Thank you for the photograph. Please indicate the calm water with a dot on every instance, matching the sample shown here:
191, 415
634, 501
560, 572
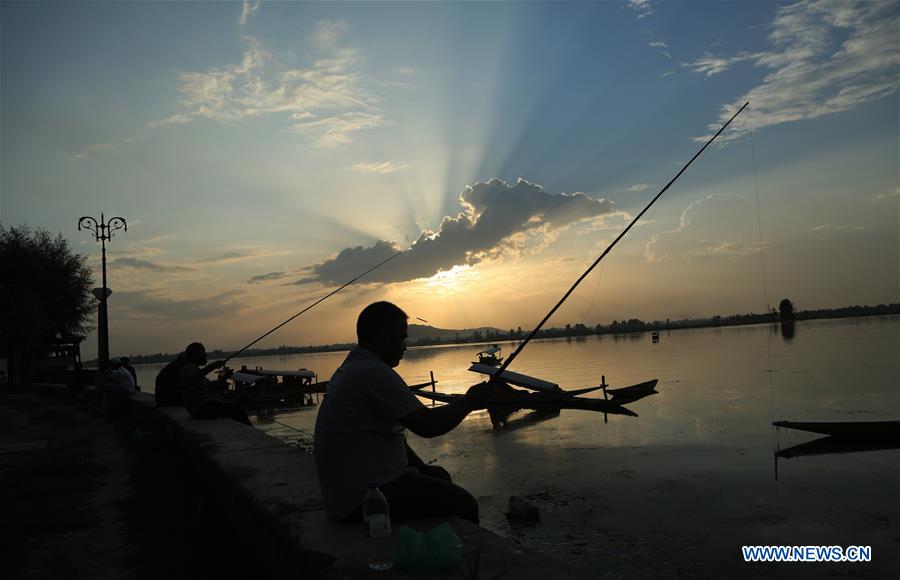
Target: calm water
676, 491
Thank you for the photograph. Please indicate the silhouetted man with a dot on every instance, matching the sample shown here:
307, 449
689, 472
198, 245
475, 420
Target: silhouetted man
126, 364
200, 395
115, 383
360, 429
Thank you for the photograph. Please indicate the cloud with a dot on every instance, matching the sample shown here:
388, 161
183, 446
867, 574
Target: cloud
239, 255
247, 11
327, 32
833, 228
716, 226
496, 220
892, 194
637, 187
267, 277
323, 100
138, 264
659, 44
668, 73
93, 149
710, 65
384, 167
153, 304
337, 130
825, 57
176, 119
642, 7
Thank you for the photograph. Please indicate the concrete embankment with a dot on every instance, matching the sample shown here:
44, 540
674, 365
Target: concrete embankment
267, 496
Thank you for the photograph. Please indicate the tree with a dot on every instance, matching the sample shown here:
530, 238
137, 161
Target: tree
786, 309
45, 293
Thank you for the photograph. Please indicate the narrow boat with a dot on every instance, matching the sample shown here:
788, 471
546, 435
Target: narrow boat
262, 388
489, 356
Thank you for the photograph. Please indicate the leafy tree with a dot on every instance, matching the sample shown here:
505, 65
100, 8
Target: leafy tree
45, 293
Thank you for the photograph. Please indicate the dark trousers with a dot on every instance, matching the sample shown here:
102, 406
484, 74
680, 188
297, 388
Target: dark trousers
212, 409
429, 493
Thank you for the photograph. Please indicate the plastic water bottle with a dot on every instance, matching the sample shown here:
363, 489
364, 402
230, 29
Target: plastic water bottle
377, 516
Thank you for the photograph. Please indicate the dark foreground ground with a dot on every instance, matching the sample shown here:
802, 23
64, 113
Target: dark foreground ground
83, 497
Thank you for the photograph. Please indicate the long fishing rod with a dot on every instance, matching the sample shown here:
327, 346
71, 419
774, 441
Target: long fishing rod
519, 348
332, 293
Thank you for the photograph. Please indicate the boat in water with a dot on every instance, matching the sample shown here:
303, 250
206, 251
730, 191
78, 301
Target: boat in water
489, 356
267, 388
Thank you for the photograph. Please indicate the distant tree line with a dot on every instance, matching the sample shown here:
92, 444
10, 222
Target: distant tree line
784, 313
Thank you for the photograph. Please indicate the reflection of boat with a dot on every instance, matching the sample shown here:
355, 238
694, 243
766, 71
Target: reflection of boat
262, 388
654, 336
845, 429
842, 437
545, 396
490, 357
827, 445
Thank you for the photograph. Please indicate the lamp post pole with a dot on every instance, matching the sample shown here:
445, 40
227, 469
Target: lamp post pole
102, 231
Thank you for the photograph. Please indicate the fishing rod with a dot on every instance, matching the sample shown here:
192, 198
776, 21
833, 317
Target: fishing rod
322, 299
531, 335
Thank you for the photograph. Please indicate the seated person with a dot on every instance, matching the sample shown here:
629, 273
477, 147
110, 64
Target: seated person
114, 383
202, 397
360, 428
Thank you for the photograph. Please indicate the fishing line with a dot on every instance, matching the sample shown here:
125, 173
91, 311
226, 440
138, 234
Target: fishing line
322, 299
621, 235
774, 434
292, 427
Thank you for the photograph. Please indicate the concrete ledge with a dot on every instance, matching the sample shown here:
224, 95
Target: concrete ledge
270, 493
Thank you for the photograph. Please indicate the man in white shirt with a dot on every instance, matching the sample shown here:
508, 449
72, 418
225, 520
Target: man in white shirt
360, 429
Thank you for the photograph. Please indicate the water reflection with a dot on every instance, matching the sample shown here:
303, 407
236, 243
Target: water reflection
788, 330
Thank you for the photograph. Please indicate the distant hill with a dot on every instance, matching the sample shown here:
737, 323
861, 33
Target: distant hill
423, 333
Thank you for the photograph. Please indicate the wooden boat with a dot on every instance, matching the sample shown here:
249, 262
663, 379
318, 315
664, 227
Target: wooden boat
845, 428
489, 357
546, 397
256, 388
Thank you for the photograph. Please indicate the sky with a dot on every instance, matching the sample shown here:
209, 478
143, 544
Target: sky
263, 153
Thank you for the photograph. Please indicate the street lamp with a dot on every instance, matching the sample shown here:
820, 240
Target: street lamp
103, 231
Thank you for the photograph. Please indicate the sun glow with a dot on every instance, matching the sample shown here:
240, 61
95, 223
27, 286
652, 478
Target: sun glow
451, 281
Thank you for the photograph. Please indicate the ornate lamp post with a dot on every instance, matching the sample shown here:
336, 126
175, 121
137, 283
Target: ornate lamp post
103, 231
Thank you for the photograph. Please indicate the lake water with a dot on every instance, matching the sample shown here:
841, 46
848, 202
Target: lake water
676, 492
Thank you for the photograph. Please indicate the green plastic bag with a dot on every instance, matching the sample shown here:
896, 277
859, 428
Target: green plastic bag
432, 551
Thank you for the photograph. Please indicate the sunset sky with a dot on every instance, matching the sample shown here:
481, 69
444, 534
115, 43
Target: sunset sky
264, 153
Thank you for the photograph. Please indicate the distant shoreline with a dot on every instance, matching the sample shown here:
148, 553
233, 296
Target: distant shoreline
631, 326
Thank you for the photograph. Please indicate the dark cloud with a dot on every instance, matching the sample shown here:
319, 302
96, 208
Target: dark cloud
138, 264
227, 257
153, 304
496, 218
267, 277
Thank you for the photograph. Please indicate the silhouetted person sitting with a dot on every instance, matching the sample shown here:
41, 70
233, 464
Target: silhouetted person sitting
168, 391
360, 429
200, 395
115, 383
126, 364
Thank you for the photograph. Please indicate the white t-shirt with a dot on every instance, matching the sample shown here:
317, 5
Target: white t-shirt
120, 379
358, 437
